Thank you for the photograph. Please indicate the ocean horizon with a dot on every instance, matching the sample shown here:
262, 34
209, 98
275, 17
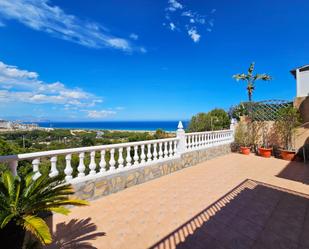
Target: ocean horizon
114, 125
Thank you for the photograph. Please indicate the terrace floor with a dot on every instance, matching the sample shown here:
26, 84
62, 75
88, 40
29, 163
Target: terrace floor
234, 201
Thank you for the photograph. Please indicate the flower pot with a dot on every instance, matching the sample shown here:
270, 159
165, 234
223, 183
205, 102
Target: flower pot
12, 236
245, 150
287, 155
265, 152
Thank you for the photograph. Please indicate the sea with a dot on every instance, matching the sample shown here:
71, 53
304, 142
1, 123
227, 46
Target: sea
116, 125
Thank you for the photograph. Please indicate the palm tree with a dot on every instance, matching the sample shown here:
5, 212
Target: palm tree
251, 79
22, 199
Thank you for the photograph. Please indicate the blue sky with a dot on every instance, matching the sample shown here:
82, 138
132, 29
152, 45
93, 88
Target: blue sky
144, 60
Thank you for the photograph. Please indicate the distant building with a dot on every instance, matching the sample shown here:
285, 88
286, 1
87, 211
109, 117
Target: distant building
301, 75
5, 124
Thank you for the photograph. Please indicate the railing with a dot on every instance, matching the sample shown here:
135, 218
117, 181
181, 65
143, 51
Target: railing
96, 161
199, 140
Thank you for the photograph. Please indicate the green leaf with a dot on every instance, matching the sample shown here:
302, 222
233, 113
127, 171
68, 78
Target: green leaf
37, 227
60, 210
6, 220
8, 181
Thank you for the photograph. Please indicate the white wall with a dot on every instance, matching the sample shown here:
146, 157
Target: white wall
302, 83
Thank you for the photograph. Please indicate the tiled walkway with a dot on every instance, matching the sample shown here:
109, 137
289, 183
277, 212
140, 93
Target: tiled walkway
234, 201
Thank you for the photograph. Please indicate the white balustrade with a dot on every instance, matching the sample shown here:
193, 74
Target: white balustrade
68, 167
102, 162
92, 165
144, 153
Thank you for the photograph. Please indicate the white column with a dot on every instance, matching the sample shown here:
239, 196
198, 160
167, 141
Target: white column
143, 154
128, 158
170, 152
35, 165
92, 165
13, 167
160, 151
120, 158
81, 166
180, 133
149, 155
135, 157
155, 152
53, 168
68, 168
112, 161
165, 150
102, 162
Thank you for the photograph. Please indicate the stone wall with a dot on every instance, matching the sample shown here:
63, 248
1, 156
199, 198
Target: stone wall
106, 185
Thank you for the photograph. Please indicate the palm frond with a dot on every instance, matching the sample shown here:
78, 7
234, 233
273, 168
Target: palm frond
6, 219
251, 69
37, 227
264, 77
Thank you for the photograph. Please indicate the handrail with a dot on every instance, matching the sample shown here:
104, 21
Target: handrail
205, 132
81, 149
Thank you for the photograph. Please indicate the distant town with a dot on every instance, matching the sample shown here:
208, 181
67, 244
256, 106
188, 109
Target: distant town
6, 125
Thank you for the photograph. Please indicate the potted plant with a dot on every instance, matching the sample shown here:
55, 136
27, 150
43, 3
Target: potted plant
23, 199
265, 150
286, 124
242, 138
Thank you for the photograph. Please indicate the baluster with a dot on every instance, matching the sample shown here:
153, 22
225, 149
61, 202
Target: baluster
68, 168
135, 157
170, 152
165, 150
143, 156
160, 151
81, 166
155, 152
200, 140
102, 162
175, 147
35, 165
120, 159
128, 158
13, 167
204, 140
53, 168
149, 155
112, 161
92, 165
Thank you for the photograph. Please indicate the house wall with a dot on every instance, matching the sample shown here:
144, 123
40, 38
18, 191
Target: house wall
302, 83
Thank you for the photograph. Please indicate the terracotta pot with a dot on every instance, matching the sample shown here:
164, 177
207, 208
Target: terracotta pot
245, 150
287, 155
265, 152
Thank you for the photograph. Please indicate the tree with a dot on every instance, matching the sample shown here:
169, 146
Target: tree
22, 199
217, 119
159, 134
250, 79
289, 119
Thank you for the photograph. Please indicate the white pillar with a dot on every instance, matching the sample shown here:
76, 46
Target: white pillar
180, 133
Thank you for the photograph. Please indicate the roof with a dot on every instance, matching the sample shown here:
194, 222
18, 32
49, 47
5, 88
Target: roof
301, 69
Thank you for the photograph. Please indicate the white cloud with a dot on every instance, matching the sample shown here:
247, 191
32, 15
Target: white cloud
194, 35
19, 85
134, 36
95, 114
40, 15
187, 20
174, 5
172, 26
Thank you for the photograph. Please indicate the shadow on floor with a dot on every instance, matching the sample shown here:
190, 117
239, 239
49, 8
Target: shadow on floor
75, 234
252, 215
296, 171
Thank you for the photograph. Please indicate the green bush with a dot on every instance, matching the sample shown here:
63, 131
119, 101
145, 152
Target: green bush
217, 119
